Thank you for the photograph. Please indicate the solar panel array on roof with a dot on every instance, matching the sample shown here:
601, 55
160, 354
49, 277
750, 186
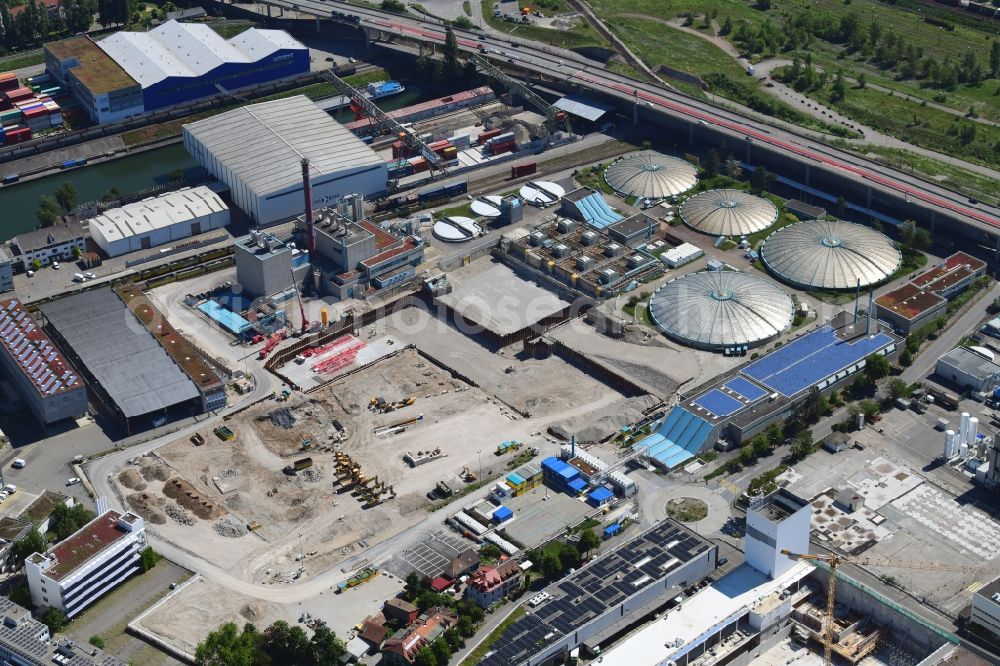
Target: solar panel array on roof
119, 352
596, 589
33, 352
745, 388
718, 403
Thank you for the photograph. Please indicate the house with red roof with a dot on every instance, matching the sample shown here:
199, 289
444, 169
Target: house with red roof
489, 584
402, 648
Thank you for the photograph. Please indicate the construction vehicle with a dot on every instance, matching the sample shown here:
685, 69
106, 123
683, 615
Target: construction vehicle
833, 561
298, 465
225, 434
468, 475
362, 576
197, 439
509, 445
443, 489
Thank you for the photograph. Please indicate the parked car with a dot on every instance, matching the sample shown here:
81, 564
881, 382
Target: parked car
31, 273
55, 265
18, 463
72, 481
90, 276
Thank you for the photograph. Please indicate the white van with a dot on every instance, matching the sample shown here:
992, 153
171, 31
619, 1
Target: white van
18, 463
78, 277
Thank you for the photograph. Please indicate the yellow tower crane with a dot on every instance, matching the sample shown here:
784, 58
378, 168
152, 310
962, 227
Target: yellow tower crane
831, 586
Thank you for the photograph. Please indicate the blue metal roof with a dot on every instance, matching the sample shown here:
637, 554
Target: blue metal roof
596, 211
679, 438
515, 478
230, 321
611, 529
577, 485
601, 494
502, 513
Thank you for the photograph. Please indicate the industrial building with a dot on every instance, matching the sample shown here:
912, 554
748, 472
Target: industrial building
264, 264
257, 150
128, 73
721, 310
159, 220
6, 272
55, 243
923, 298
728, 213
651, 175
823, 254
138, 366
986, 609
25, 641
583, 257
603, 598
354, 254
968, 370
738, 405
43, 379
74, 573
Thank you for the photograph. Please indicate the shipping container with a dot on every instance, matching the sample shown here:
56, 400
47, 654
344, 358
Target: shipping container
520, 170
501, 148
11, 178
18, 94
9, 118
461, 141
488, 134
419, 164
8, 81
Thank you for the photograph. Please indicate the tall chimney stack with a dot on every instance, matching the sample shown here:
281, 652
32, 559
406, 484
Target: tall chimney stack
307, 193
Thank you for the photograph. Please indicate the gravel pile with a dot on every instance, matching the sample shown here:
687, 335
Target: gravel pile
228, 473
282, 418
229, 527
312, 475
178, 514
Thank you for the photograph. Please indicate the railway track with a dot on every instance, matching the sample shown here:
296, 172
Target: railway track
571, 159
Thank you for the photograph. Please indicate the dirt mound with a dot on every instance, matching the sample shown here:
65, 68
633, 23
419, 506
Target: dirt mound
130, 478
185, 494
230, 527
150, 507
282, 418
604, 422
252, 612
153, 469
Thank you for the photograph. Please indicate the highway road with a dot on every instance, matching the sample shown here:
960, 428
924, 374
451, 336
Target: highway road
573, 68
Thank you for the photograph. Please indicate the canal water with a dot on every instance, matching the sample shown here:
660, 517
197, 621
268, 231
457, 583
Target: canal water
127, 174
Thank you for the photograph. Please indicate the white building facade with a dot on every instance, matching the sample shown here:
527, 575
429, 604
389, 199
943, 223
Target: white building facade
159, 220
986, 608
779, 522
77, 571
46, 245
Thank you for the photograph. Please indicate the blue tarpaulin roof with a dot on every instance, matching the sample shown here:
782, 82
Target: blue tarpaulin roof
601, 494
230, 321
502, 513
611, 529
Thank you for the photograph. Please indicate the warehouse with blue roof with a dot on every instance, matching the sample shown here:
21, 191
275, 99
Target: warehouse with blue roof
745, 402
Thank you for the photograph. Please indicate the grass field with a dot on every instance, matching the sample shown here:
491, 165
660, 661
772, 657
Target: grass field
230, 29
18, 61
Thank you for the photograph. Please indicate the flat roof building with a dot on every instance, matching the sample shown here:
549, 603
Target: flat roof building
24, 641
605, 596
158, 220
42, 377
986, 608
923, 298
96, 80
968, 370
263, 264
257, 151
75, 572
143, 378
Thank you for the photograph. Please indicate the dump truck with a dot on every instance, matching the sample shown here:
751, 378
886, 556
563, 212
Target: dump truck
443, 489
299, 465
197, 439
225, 434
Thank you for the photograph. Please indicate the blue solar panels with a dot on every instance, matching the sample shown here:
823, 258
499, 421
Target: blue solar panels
811, 359
596, 211
745, 388
681, 436
718, 403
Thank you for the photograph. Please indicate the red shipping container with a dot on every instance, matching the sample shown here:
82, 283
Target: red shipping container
419, 164
523, 169
489, 134
400, 150
18, 94
8, 81
18, 136
500, 148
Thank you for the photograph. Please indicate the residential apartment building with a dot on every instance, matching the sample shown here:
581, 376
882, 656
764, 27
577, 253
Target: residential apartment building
490, 584
50, 244
6, 272
402, 648
44, 380
77, 571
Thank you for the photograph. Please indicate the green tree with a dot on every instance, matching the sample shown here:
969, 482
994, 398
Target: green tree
588, 542
760, 446
906, 358
746, 455
774, 435
862, 80
760, 180
995, 58
65, 196
899, 389
393, 6
838, 90
712, 163
286, 644
111, 195
550, 566
147, 559
227, 646
454, 639
55, 620
33, 542
64, 520
77, 252
327, 649
466, 626
425, 657
490, 552
452, 66
97, 642
877, 367
48, 212
442, 652
727, 26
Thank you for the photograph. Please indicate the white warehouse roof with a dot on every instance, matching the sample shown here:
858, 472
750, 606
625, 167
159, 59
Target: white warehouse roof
157, 213
262, 145
188, 50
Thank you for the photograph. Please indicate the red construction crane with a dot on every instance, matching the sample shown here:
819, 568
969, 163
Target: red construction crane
273, 341
302, 310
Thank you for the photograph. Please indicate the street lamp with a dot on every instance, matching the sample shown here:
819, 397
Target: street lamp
479, 454
302, 555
